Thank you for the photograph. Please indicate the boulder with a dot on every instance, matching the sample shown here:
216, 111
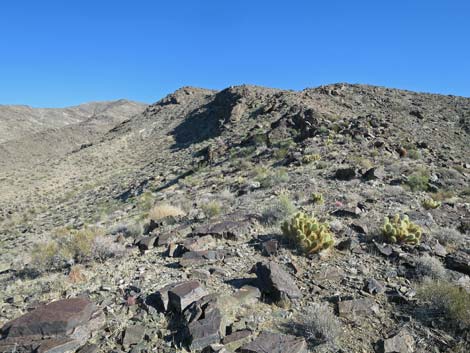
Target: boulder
403, 342
183, 294
274, 281
345, 173
60, 326
459, 261
233, 230
352, 308
275, 343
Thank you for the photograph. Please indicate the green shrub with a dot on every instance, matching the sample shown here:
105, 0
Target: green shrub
270, 178
212, 209
280, 210
448, 299
309, 233
401, 230
418, 181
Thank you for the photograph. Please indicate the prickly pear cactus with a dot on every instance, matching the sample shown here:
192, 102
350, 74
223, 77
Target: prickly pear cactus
401, 230
308, 232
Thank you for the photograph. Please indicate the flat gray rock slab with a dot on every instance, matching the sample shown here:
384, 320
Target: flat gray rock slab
183, 294
459, 261
234, 230
403, 342
62, 326
205, 331
268, 342
356, 307
274, 281
56, 318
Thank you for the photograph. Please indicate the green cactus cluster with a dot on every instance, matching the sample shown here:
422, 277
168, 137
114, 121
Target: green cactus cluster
317, 198
310, 158
401, 230
431, 204
312, 235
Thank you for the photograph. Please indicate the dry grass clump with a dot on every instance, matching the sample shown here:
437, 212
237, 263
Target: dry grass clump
212, 209
76, 274
448, 236
68, 246
319, 325
281, 209
165, 210
448, 299
428, 266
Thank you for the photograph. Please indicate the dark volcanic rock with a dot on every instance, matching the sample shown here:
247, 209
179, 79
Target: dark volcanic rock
59, 327
234, 230
183, 294
206, 331
56, 318
275, 343
270, 247
345, 174
274, 281
459, 261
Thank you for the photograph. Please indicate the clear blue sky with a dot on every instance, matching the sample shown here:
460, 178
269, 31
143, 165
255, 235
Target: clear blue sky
59, 53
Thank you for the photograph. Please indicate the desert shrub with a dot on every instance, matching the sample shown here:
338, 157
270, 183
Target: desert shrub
164, 210
278, 211
72, 246
127, 230
428, 266
319, 324
44, 255
76, 274
105, 247
226, 195
308, 232
418, 181
268, 178
447, 236
401, 230
414, 154
212, 208
448, 299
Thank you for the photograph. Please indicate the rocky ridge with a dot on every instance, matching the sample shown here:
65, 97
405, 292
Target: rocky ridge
220, 277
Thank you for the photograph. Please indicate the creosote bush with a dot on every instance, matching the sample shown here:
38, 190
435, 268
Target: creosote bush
449, 299
165, 210
308, 232
401, 230
419, 180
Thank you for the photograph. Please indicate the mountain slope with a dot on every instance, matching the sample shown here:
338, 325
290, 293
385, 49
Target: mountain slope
235, 156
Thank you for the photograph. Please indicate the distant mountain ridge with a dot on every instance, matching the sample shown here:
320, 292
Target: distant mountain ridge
18, 121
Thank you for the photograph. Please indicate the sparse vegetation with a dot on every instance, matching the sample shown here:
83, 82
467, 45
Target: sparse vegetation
419, 180
281, 209
428, 266
308, 232
448, 299
448, 236
401, 230
268, 178
310, 158
212, 208
319, 325
165, 210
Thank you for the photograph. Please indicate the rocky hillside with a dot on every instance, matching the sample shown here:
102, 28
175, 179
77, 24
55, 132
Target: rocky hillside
244, 220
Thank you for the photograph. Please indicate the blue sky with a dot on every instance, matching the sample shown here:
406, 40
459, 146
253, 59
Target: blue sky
59, 53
